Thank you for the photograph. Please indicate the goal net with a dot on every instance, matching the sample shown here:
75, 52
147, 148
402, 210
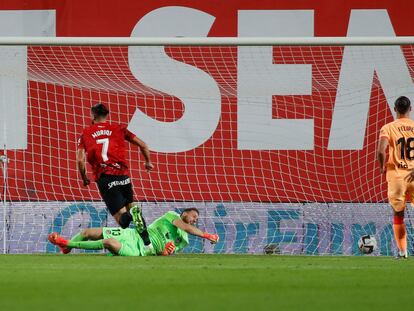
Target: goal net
275, 145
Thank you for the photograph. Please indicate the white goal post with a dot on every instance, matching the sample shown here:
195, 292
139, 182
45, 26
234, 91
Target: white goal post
206, 41
273, 139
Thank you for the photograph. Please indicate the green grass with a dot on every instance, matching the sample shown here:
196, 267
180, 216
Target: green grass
204, 282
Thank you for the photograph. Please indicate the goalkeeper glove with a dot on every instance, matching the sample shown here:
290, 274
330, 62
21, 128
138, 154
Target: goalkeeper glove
213, 238
168, 249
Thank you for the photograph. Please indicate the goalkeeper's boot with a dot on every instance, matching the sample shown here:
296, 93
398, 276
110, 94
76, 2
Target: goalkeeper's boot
59, 241
136, 213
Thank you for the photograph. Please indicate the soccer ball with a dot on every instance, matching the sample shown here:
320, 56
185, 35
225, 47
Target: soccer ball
367, 244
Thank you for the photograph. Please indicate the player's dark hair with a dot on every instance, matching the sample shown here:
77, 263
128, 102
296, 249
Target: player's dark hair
189, 210
99, 110
402, 104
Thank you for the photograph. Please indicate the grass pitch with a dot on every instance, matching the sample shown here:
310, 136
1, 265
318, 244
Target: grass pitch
204, 282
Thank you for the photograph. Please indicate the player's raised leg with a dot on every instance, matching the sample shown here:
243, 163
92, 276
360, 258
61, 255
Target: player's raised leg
141, 226
84, 235
91, 239
88, 234
110, 244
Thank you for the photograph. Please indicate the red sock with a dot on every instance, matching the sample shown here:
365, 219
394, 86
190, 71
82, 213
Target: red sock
400, 233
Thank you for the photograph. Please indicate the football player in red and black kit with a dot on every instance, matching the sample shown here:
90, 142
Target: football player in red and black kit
103, 144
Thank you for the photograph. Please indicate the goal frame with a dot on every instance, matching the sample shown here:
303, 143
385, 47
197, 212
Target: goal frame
189, 41
210, 41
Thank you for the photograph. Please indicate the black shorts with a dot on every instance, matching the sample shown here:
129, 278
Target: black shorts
116, 191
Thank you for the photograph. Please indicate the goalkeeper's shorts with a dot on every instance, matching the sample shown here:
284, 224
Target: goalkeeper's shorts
399, 189
131, 241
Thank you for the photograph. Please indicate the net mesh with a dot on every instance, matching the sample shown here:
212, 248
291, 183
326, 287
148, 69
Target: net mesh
297, 201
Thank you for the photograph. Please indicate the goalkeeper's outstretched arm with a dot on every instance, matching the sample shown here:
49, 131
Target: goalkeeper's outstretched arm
213, 238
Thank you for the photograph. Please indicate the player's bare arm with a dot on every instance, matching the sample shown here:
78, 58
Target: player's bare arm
410, 177
213, 238
381, 154
145, 152
80, 158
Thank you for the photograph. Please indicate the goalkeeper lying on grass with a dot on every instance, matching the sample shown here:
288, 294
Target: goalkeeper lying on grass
168, 234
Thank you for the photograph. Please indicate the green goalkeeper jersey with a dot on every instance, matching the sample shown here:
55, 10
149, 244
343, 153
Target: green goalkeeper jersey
162, 231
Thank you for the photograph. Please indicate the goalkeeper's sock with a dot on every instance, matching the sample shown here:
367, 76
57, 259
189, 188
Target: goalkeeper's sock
400, 233
78, 237
86, 244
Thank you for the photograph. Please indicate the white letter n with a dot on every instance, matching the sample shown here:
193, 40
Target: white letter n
356, 77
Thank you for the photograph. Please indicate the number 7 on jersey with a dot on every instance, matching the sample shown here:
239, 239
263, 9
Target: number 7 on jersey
105, 146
